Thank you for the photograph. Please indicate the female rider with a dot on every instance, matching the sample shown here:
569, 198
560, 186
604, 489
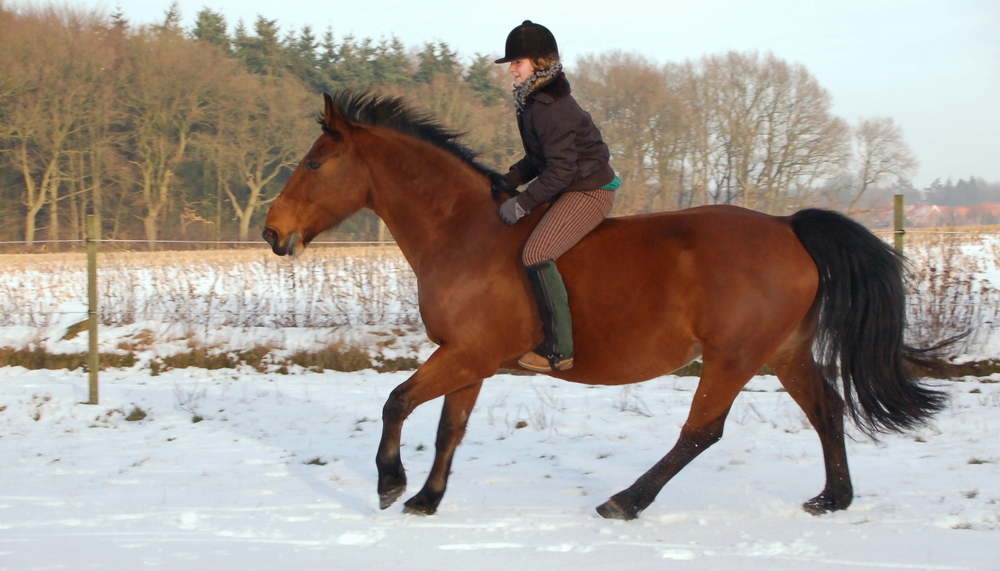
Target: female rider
566, 163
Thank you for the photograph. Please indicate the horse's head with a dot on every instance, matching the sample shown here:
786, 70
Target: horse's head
328, 185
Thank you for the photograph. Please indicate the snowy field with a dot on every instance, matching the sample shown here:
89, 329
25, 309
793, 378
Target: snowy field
278, 473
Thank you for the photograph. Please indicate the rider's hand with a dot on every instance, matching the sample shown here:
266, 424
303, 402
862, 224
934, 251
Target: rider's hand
506, 183
500, 186
511, 211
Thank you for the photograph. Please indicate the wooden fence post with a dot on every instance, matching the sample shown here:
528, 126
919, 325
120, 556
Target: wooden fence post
382, 231
898, 223
93, 358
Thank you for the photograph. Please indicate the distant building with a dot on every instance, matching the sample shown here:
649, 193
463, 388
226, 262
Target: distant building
929, 215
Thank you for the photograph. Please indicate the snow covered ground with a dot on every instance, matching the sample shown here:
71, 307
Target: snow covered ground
278, 473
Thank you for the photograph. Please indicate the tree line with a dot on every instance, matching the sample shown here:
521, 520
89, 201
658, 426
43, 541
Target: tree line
167, 133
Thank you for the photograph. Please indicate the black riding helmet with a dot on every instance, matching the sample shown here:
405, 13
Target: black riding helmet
529, 40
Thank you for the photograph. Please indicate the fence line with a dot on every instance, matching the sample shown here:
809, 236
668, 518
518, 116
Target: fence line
253, 242
964, 232
220, 242
33, 242
385, 242
208, 314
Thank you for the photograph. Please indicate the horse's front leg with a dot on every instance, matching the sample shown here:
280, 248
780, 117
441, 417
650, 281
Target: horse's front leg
454, 418
443, 374
391, 474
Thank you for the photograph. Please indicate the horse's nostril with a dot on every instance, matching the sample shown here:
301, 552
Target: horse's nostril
270, 236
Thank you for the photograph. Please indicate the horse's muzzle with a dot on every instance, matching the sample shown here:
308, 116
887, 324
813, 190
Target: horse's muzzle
272, 237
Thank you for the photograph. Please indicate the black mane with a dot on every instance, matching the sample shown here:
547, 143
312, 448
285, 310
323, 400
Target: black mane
370, 108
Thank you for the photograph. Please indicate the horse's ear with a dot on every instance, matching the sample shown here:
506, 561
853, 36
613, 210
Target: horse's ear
331, 115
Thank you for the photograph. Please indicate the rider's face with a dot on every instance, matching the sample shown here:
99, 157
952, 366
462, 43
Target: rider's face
521, 69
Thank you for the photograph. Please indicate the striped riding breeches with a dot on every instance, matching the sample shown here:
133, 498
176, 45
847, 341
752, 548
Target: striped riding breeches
572, 217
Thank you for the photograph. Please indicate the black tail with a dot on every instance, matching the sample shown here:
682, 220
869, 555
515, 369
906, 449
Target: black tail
861, 323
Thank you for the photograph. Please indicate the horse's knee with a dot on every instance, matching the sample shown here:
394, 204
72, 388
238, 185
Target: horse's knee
396, 407
713, 437
702, 437
703, 441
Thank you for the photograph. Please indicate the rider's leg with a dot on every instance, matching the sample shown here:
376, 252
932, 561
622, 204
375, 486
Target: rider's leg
556, 350
571, 218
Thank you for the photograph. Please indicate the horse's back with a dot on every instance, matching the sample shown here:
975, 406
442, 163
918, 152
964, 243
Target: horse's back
707, 240
678, 283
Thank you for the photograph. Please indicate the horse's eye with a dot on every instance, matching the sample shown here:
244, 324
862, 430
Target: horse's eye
312, 165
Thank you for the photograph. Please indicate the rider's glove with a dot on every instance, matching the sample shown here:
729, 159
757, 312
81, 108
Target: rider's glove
511, 211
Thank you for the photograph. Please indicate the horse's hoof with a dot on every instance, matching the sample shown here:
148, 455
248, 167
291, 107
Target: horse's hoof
419, 506
611, 510
389, 497
826, 503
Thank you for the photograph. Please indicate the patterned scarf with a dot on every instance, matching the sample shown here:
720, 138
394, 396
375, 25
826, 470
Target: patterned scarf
535, 81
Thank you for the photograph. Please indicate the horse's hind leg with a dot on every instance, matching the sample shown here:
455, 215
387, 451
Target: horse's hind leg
718, 388
454, 418
801, 377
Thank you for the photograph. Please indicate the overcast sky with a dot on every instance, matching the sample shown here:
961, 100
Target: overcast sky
931, 65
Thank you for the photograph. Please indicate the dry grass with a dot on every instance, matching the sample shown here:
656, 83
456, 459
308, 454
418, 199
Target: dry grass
39, 358
946, 298
261, 358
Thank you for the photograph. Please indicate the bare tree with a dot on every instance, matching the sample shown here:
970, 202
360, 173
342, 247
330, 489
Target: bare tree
674, 132
172, 91
736, 129
771, 133
645, 122
258, 131
882, 155
625, 93
488, 129
48, 72
13, 78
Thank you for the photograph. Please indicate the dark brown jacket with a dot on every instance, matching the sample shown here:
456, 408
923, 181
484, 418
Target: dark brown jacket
563, 148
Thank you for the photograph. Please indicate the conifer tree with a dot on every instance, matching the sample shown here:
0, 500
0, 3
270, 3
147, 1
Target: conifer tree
436, 59
171, 19
480, 79
390, 64
304, 60
262, 54
210, 27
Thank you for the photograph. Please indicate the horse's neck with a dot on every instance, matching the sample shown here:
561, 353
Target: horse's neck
429, 200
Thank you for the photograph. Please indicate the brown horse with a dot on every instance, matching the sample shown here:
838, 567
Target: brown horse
814, 296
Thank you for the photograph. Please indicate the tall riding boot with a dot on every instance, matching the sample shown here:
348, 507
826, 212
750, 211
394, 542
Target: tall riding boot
556, 351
